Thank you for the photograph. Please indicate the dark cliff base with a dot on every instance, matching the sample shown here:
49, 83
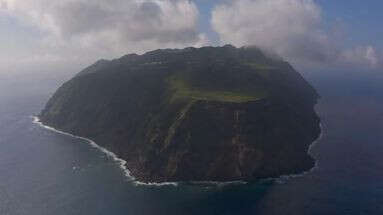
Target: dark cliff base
255, 140
209, 114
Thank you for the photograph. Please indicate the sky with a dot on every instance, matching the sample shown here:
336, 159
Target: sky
71, 34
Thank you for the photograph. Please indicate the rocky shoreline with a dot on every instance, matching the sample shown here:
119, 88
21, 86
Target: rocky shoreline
209, 114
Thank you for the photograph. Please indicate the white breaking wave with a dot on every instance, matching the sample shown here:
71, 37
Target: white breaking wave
156, 184
122, 163
218, 183
287, 177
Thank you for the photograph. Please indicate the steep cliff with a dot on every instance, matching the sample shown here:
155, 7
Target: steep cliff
213, 113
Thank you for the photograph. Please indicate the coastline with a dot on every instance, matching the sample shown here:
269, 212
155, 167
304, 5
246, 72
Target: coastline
127, 173
290, 176
121, 162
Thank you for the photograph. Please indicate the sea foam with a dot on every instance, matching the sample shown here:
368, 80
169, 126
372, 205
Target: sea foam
283, 178
127, 173
121, 162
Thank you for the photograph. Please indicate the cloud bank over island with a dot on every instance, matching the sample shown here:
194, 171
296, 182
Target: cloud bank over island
74, 29
294, 29
83, 31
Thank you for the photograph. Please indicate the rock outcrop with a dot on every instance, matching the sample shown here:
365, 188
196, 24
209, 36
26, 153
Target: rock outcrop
213, 113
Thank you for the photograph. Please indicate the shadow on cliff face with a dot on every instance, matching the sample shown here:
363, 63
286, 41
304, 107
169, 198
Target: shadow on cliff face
349, 175
347, 179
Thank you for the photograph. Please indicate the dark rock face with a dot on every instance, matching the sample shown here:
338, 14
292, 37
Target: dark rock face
217, 114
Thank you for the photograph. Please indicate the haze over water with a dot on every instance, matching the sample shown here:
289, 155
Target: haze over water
42, 172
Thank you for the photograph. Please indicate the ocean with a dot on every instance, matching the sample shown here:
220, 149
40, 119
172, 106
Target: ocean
47, 172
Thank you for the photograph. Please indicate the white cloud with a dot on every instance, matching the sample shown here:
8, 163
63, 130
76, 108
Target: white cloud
372, 56
364, 56
89, 29
292, 28
82, 31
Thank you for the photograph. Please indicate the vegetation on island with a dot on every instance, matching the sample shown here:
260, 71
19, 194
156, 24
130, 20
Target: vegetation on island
210, 113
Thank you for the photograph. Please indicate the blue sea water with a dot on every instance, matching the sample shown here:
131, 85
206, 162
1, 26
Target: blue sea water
43, 172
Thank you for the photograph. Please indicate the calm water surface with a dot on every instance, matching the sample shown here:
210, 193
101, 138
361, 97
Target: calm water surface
42, 172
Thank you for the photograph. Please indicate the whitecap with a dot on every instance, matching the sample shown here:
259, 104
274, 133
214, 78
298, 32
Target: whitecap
139, 183
121, 162
127, 173
282, 178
